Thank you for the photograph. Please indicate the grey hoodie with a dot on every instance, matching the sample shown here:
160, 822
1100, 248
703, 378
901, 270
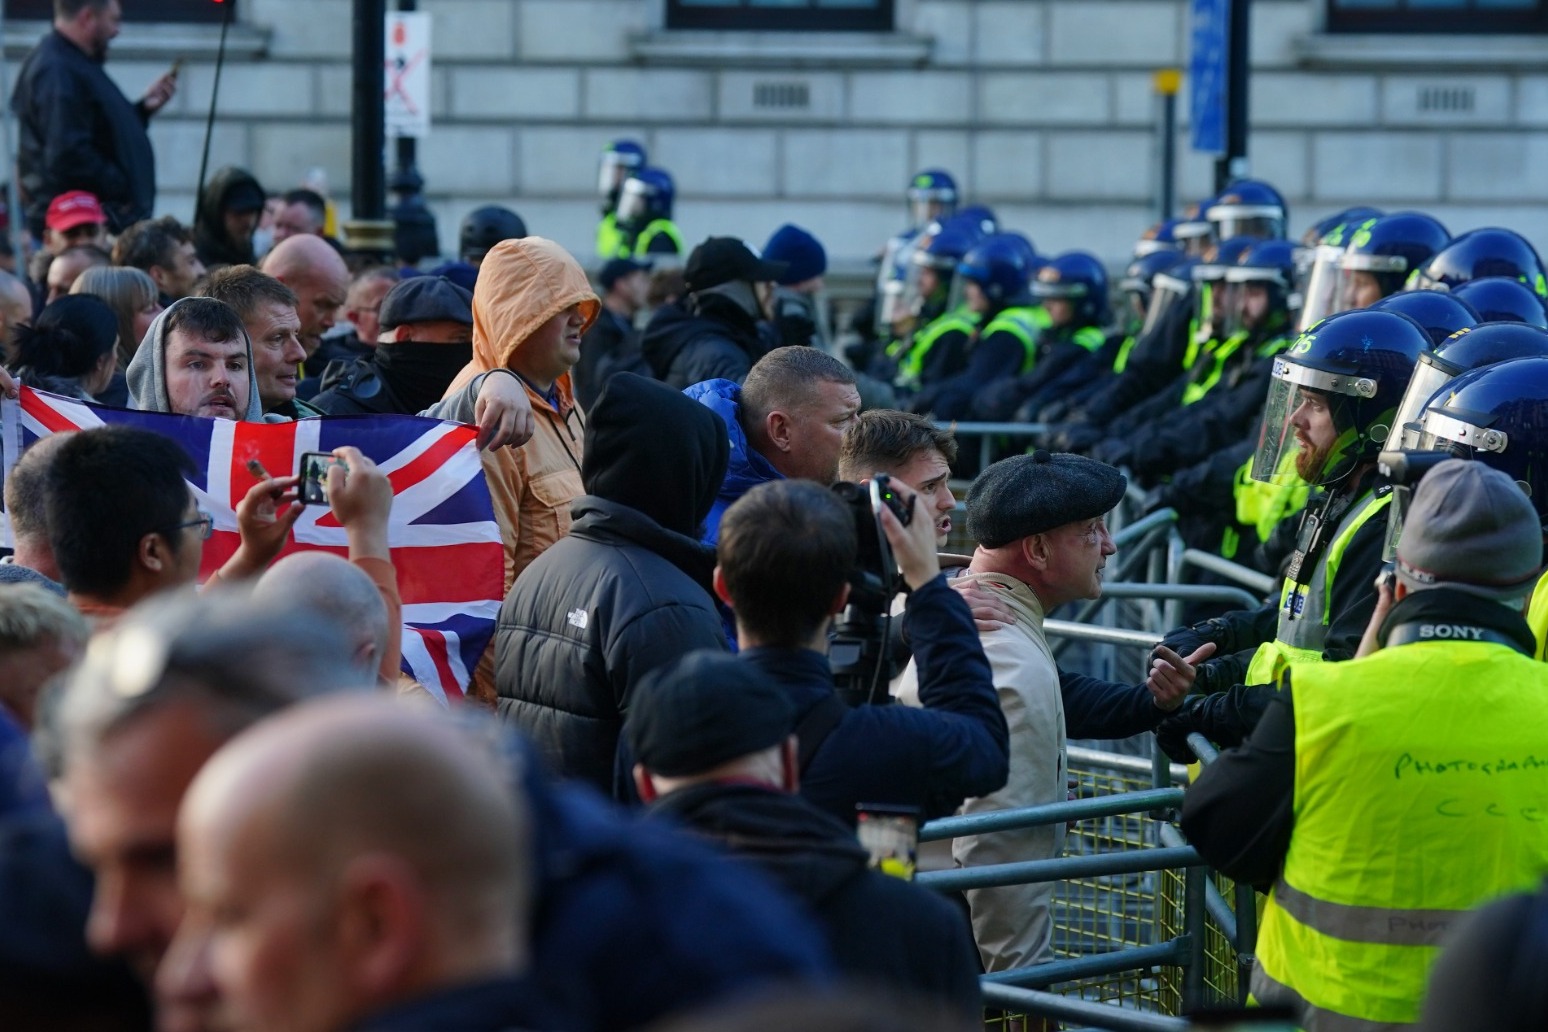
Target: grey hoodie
147, 372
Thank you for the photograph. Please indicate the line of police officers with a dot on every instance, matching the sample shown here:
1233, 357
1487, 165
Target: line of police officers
1285, 397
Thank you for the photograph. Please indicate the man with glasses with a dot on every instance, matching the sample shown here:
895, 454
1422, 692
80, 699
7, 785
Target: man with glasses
124, 524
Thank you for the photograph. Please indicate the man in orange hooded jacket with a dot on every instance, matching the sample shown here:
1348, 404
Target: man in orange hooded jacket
531, 306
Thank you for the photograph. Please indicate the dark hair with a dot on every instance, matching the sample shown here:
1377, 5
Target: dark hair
107, 488
785, 550
244, 288
313, 201
205, 318
68, 338
150, 242
784, 378
26, 489
883, 440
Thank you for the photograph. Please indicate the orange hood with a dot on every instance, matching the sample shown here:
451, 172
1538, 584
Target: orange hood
521, 285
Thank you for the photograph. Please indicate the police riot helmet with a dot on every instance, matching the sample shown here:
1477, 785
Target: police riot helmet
1248, 207
1438, 314
1193, 232
1388, 249
1500, 299
1171, 295
1470, 348
1159, 237
646, 195
1270, 264
484, 227
620, 158
932, 196
1078, 277
981, 214
1210, 303
997, 265
1479, 253
1357, 364
1306, 253
1498, 415
941, 247
1139, 278
1320, 295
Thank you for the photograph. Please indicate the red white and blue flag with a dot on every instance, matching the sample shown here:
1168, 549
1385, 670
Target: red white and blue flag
445, 542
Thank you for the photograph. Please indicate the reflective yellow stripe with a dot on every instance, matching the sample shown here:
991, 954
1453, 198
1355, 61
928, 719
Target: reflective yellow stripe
1537, 614
660, 227
1219, 355
912, 365
1385, 925
611, 242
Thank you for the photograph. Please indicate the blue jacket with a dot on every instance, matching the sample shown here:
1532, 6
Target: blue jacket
933, 758
633, 921
494, 1005
747, 468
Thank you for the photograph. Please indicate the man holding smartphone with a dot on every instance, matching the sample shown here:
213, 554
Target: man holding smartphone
78, 130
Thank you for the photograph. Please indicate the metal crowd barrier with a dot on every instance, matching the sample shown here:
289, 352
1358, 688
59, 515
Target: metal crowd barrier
1143, 928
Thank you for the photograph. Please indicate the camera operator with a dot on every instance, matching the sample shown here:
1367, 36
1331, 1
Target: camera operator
787, 550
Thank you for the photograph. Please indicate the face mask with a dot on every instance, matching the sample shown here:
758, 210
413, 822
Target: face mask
419, 373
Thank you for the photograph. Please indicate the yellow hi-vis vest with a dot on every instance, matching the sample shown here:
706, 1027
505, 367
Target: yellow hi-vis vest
1306, 607
1024, 322
1421, 792
612, 242
1537, 614
960, 320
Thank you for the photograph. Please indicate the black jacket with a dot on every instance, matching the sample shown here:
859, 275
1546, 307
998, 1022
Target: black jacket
79, 132
627, 590
933, 758
705, 337
883, 931
495, 1005
214, 245
612, 345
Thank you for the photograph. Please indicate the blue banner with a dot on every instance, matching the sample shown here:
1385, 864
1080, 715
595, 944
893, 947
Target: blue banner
1208, 54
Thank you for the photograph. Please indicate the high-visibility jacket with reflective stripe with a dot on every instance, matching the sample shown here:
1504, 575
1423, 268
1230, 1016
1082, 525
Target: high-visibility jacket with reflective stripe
660, 227
1421, 791
959, 320
612, 242
1024, 322
1537, 614
1305, 607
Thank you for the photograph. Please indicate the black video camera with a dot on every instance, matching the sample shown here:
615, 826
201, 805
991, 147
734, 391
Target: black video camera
859, 651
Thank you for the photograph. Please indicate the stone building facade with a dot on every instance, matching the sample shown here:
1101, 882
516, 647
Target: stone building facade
1042, 108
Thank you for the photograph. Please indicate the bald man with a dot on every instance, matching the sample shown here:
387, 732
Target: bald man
328, 885
327, 584
311, 267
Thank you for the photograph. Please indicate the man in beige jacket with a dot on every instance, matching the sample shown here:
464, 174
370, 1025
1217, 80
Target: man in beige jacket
1040, 524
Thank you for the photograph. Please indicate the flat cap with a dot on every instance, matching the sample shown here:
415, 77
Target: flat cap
1029, 494
425, 299
702, 711
1472, 528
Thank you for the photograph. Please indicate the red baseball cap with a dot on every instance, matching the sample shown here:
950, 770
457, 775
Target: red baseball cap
73, 208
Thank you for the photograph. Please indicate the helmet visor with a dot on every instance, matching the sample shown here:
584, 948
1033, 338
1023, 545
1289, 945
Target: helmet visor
1168, 294
1321, 297
1247, 222
612, 170
927, 286
1402, 496
927, 206
633, 202
1421, 280
1277, 445
1430, 375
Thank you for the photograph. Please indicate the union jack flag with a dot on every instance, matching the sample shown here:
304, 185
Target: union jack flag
445, 542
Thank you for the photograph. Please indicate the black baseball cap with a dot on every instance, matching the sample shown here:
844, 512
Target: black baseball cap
726, 259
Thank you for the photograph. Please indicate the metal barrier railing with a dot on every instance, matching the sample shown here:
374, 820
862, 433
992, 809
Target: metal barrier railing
986, 433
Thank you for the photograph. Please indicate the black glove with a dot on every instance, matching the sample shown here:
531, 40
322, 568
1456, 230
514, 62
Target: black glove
1079, 437
1114, 451
1225, 718
1185, 640
1172, 733
997, 401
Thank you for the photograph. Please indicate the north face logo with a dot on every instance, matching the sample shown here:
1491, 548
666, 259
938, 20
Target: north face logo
577, 618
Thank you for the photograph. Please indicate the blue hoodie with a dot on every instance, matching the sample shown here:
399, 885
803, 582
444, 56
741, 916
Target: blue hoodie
747, 469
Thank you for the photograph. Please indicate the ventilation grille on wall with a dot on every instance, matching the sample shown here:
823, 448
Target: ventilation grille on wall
783, 95
1448, 99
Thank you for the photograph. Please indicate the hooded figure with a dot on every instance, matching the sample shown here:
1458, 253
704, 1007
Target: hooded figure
147, 372
627, 591
232, 190
522, 285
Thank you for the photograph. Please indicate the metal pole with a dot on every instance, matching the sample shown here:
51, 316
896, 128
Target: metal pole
368, 194
1233, 163
209, 122
1193, 929
1167, 82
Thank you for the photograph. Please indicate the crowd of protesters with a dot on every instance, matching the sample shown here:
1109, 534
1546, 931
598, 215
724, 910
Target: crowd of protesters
226, 805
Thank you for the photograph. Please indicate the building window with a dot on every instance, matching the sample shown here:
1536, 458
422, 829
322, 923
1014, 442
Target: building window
830, 15
138, 11
1449, 16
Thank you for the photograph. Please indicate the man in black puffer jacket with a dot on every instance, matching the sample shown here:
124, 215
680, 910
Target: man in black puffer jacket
627, 590
713, 332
